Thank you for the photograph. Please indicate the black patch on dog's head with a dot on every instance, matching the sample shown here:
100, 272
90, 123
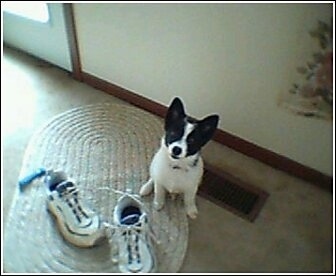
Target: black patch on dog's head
174, 122
175, 126
202, 133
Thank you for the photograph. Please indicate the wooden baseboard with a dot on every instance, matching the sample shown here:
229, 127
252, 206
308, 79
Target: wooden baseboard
275, 160
252, 150
124, 94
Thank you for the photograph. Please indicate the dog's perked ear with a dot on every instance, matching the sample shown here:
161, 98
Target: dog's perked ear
175, 113
207, 127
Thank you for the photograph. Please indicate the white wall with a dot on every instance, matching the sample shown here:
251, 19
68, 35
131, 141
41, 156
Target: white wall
47, 41
230, 59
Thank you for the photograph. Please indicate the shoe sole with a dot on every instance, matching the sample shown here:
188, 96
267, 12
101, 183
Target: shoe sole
65, 231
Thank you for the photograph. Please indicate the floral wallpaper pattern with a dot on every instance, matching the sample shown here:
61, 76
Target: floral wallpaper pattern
313, 95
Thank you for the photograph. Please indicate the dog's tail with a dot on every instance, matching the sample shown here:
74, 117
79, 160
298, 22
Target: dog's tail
147, 188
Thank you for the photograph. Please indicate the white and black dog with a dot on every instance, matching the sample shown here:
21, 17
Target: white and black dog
177, 167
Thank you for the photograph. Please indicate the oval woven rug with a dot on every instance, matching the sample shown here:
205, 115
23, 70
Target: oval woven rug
100, 146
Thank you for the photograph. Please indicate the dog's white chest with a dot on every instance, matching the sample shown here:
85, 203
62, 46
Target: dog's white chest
174, 176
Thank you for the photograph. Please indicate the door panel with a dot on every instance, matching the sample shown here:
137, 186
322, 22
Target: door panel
46, 40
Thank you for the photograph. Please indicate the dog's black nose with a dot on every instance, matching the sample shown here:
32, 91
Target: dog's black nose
176, 151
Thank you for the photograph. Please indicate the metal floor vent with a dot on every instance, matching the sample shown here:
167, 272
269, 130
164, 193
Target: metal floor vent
231, 193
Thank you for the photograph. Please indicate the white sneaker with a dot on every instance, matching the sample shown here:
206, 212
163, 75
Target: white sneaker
132, 235
78, 224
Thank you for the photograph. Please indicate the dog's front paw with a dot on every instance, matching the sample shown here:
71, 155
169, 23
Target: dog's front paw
192, 212
158, 205
147, 188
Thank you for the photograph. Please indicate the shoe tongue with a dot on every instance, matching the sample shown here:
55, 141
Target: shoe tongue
130, 219
54, 178
63, 186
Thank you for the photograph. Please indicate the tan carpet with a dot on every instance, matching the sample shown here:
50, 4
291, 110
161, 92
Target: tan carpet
100, 146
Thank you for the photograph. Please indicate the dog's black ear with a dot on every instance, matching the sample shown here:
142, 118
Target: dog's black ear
175, 113
207, 127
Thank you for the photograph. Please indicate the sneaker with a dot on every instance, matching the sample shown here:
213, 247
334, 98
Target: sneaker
78, 224
135, 251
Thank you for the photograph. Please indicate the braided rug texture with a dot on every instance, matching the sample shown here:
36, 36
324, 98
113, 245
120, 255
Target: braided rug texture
100, 146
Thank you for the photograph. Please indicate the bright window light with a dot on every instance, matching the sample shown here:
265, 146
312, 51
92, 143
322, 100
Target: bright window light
37, 11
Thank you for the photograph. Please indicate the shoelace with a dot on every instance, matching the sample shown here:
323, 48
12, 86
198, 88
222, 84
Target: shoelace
132, 235
70, 194
111, 226
137, 226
